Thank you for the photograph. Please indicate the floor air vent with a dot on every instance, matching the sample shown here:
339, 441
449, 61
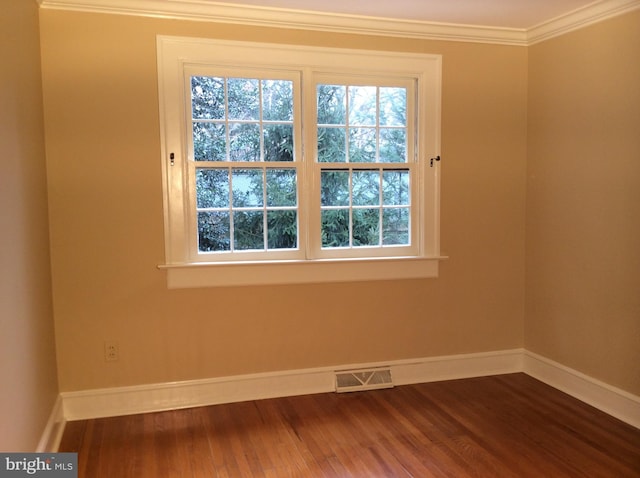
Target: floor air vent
370, 379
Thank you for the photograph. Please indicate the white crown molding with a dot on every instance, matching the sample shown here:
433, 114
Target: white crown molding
580, 18
294, 19
200, 10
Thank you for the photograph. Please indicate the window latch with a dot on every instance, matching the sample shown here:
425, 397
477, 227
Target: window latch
437, 158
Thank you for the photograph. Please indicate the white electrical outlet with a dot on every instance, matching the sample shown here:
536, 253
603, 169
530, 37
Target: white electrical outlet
111, 351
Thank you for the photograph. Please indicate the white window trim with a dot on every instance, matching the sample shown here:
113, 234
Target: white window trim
173, 53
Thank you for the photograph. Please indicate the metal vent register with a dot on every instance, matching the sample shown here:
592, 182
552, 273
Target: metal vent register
370, 379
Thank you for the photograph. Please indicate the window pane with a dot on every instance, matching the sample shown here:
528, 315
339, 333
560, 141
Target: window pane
209, 142
335, 228
281, 187
395, 188
213, 231
212, 188
366, 227
244, 142
332, 145
207, 97
334, 188
393, 145
248, 230
278, 142
393, 106
331, 104
244, 99
277, 100
366, 188
362, 145
362, 105
247, 188
282, 230
395, 226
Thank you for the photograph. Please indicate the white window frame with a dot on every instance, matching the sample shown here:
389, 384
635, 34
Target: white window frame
175, 55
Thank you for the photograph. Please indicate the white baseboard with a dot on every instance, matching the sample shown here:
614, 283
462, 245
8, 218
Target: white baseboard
611, 400
451, 367
193, 393
167, 396
52, 433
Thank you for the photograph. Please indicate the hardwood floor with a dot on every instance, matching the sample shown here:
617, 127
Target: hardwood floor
501, 426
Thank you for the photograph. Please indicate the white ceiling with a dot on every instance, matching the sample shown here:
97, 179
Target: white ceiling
521, 14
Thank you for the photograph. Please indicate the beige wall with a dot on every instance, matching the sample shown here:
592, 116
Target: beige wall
105, 198
583, 201
27, 353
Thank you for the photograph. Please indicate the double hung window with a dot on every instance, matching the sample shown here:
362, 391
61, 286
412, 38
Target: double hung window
291, 164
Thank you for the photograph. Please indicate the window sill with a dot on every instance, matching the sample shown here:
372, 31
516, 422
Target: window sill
181, 276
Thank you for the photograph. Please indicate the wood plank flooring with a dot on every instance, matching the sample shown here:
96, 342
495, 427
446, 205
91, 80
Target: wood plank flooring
501, 426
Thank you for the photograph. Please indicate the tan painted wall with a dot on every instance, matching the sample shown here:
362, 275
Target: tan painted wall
105, 197
27, 353
583, 201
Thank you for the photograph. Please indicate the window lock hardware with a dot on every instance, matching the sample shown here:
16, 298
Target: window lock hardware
172, 158
437, 158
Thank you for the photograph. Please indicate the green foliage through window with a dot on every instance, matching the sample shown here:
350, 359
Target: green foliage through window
243, 140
